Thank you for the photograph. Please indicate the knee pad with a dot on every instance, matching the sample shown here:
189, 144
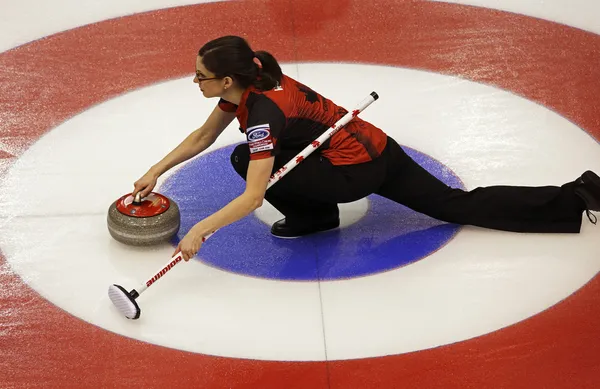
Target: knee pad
240, 159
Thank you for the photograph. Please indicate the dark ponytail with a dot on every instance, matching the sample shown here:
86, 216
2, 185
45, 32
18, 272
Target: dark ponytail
270, 74
232, 56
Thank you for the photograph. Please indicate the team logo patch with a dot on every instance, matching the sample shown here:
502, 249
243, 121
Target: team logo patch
259, 138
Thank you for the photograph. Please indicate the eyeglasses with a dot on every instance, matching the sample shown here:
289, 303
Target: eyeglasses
200, 78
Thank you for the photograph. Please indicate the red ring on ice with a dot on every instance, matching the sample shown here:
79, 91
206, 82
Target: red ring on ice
47, 81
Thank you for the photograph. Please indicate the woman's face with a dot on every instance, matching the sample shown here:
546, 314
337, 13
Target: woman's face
206, 80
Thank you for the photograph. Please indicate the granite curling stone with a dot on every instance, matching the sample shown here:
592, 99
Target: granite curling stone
143, 222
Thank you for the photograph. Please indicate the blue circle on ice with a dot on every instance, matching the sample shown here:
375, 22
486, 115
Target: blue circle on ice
388, 236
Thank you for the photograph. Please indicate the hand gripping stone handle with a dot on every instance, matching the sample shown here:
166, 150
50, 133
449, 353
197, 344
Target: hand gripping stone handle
278, 175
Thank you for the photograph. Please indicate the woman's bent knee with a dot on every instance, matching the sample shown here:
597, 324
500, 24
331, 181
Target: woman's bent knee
240, 159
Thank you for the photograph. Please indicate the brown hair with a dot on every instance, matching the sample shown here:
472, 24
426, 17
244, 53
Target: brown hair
232, 56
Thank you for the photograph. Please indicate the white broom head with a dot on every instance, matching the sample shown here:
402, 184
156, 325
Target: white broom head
124, 302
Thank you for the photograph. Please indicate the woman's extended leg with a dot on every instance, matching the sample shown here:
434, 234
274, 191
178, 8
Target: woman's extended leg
509, 208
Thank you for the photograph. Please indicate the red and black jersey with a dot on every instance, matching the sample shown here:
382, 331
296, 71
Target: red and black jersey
292, 115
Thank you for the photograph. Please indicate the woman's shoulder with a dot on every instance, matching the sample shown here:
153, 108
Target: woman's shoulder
288, 95
278, 94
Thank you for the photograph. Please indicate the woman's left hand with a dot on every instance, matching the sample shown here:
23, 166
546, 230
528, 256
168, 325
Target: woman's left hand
190, 244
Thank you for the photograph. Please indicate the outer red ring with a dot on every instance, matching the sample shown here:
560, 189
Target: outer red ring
549, 63
152, 205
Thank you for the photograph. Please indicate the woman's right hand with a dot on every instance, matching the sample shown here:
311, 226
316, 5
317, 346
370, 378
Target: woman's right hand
145, 184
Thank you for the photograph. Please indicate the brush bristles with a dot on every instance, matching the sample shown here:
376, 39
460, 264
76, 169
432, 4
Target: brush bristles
123, 302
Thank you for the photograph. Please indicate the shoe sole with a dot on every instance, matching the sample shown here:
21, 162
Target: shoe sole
592, 177
593, 180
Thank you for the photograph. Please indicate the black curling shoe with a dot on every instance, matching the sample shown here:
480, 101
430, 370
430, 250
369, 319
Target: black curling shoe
588, 189
282, 230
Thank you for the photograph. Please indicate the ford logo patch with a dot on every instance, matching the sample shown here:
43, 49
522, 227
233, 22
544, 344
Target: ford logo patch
258, 134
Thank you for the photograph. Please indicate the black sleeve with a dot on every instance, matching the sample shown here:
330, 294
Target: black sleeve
265, 124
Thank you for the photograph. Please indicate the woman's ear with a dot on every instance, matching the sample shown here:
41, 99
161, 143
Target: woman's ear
228, 82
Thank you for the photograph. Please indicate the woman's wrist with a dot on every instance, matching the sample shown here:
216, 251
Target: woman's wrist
156, 170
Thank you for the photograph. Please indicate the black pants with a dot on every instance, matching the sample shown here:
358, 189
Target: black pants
312, 190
